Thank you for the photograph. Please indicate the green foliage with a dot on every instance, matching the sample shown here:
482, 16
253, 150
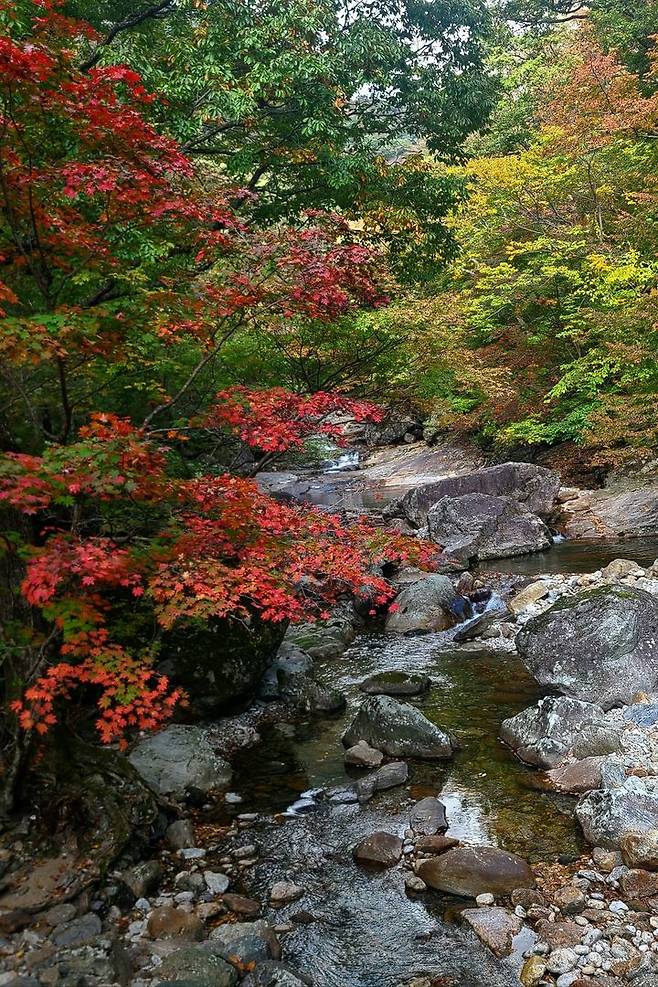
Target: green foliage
302, 102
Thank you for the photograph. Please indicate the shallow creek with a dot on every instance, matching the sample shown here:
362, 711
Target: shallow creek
367, 932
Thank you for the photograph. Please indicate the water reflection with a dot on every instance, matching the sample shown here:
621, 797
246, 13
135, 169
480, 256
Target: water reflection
490, 795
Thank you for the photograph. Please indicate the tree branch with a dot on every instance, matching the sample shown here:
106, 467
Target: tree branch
161, 7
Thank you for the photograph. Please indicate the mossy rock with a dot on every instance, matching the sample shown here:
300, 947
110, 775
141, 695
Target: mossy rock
395, 683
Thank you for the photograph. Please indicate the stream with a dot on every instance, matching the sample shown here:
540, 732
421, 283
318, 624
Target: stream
366, 930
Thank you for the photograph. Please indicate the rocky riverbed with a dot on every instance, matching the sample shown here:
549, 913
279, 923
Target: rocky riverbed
465, 796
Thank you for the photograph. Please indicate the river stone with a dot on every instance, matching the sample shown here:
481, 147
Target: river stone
195, 963
599, 645
395, 683
168, 922
428, 816
533, 970
271, 974
241, 905
143, 879
545, 734
469, 871
290, 678
436, 844
397, 729
535, 487
477, 526
362, 755
578, 776
248, 942
283, 892
378, 849
640, 849
607, 816
388, 776
424, 606
494, 926
177, 758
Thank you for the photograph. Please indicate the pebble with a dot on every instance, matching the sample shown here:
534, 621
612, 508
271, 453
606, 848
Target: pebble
192, 853
617, 907
143, 905
484, 899
285, 891
233, 798
561, 960
215, 882
415, 883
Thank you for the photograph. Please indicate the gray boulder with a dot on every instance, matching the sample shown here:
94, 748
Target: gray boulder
178, 758
325, 639
423, 606
290, 678
479, 526
397, 729
556, 728
196, 963
599, 645
428, 817
248, 942
534, 487
607, 816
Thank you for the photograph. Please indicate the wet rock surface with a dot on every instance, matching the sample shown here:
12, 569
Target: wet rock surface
600, 646
470, 871
397, 729
179, 758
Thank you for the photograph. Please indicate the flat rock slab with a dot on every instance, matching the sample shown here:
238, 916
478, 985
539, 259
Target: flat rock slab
577, 777
470, 871
494, 926
378, 850
395, 683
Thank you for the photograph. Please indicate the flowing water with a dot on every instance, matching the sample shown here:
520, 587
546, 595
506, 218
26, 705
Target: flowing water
367, 932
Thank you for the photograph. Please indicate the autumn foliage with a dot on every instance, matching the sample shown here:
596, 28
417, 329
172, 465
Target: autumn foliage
116, 255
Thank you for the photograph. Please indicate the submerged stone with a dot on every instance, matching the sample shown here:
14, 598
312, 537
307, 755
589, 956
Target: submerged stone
395, 683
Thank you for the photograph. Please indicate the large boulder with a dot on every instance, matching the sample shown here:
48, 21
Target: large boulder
558, 728
607, 816
424, 606
290, 678
600, 645
479, 526
219, 662
328, 638
532, 486
472, 870
397, 729
179, 758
